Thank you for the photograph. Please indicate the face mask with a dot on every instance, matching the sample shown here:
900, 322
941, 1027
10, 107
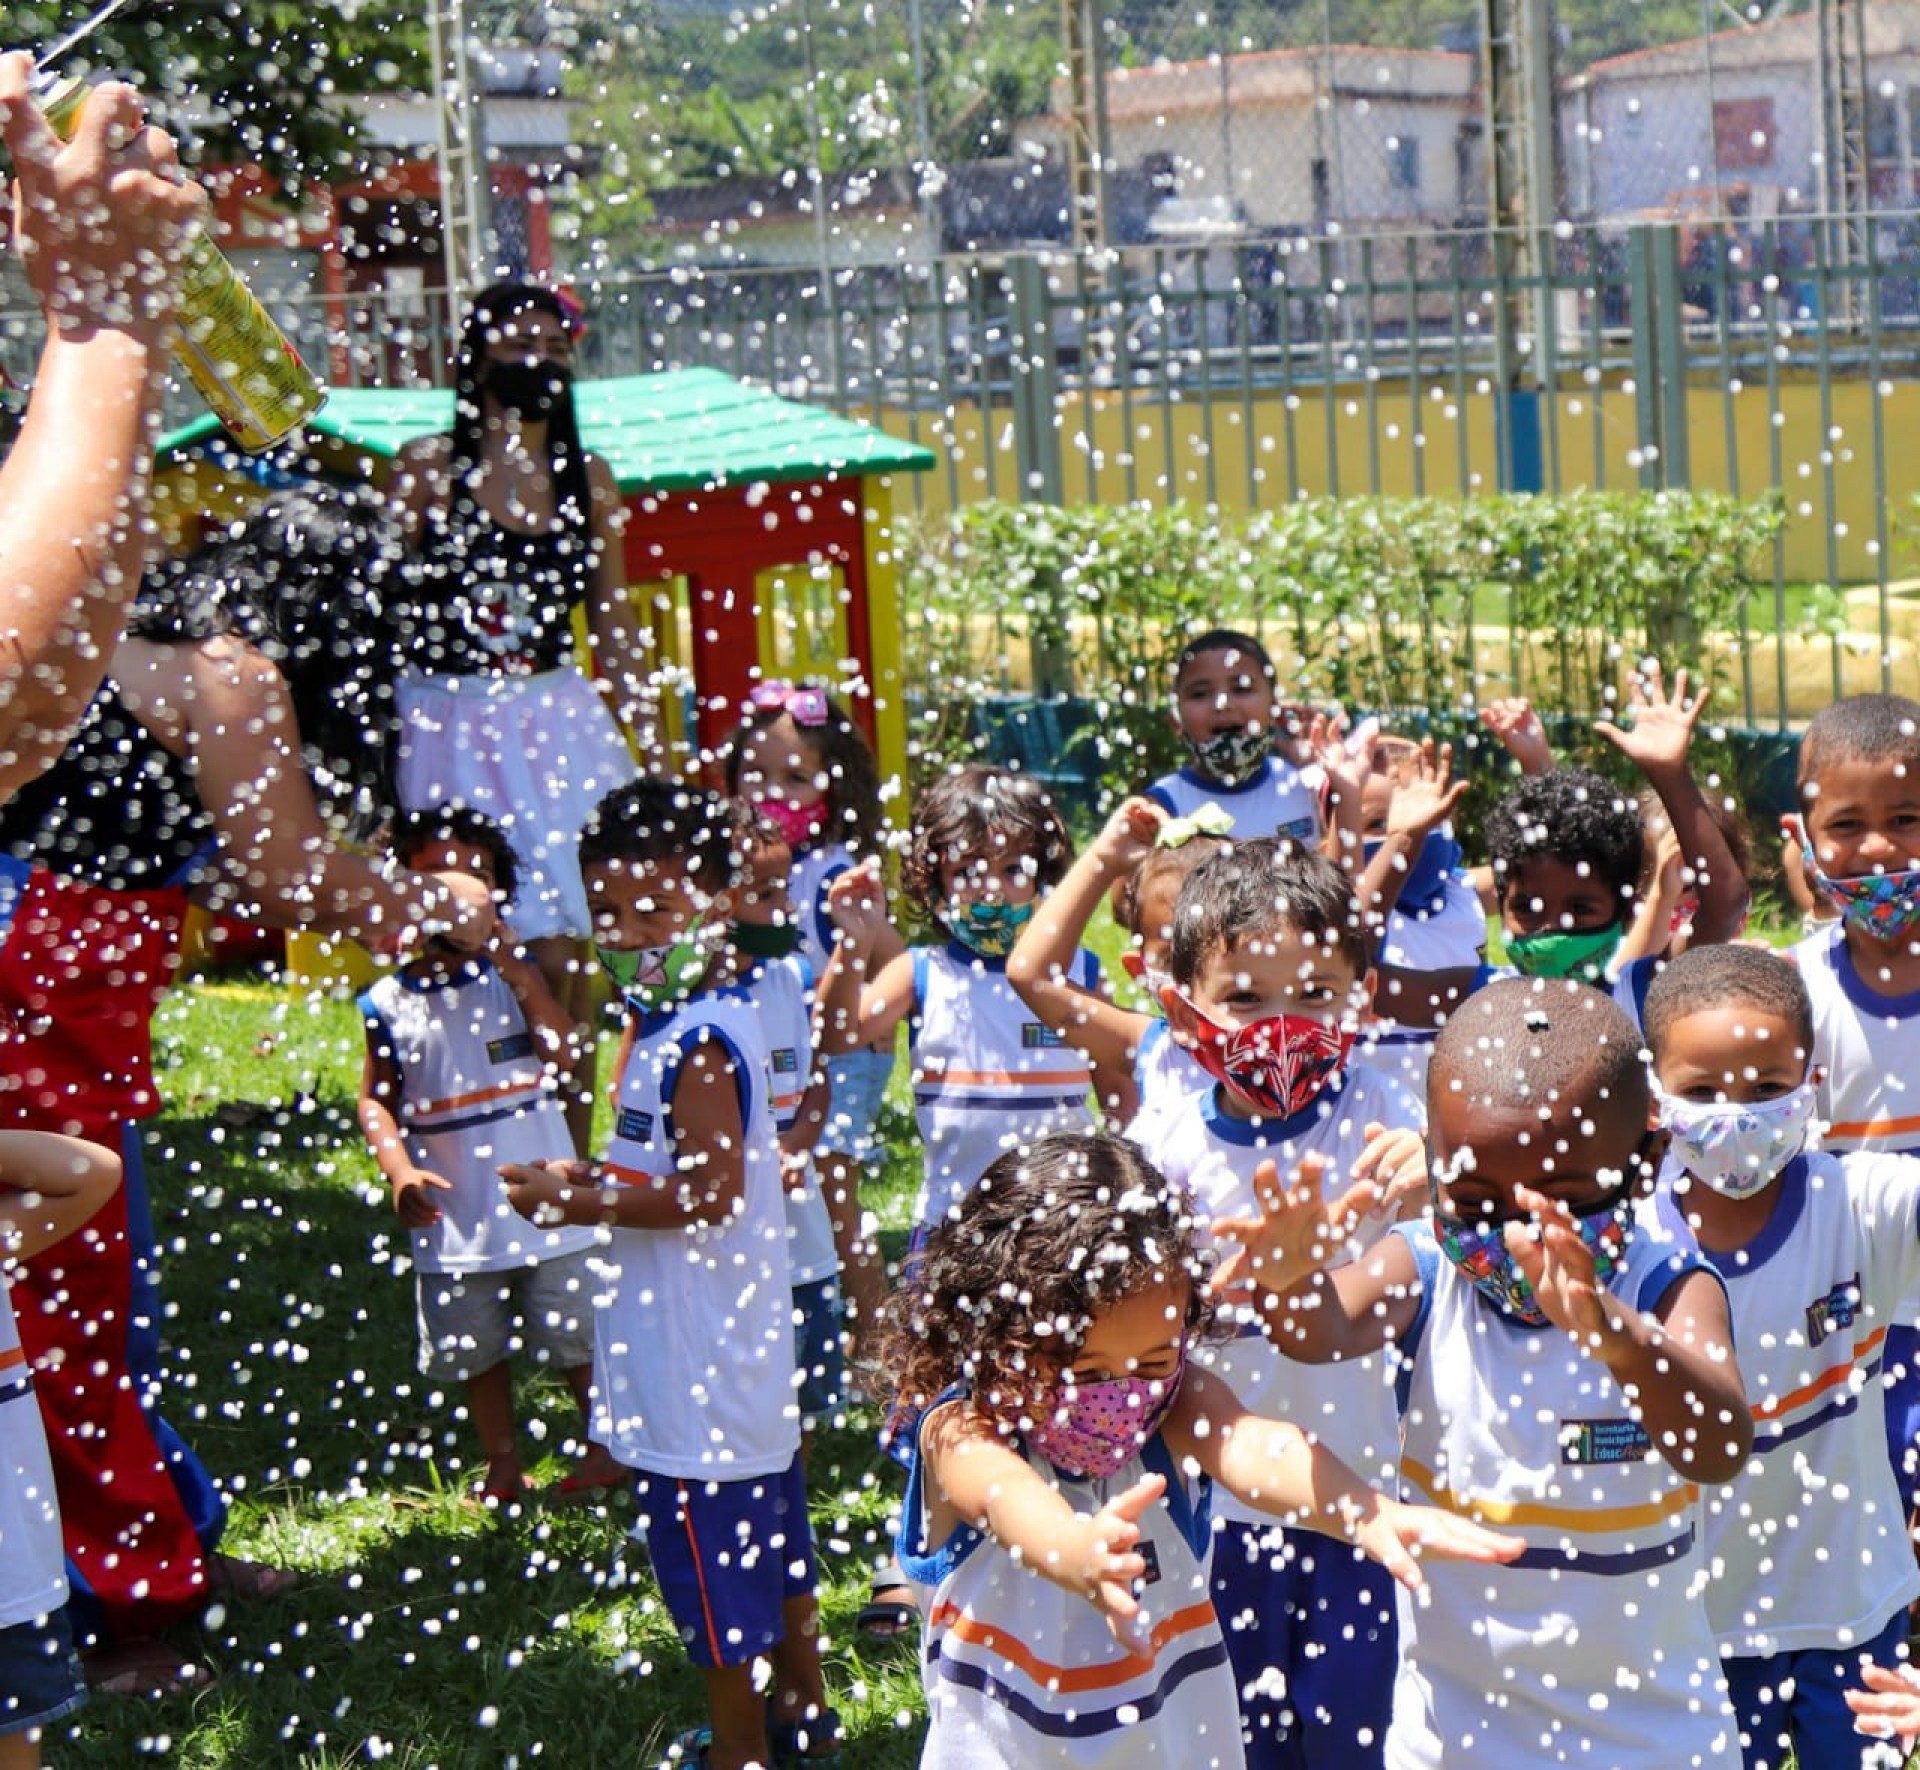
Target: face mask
1425, 881
1149, 977
797, 824
1566, 952
653, 977
1281, 1064
1093, 1430
1737, 1149
1480, 1251
533, 390
1231, 757
764, 940
1884, 906
989, 929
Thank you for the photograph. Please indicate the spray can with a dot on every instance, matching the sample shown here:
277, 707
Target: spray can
239, 361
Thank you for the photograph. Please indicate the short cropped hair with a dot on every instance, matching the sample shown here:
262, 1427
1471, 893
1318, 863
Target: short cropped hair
1224, 639
1727, 977
416, 830
1262, 887
974, 808
1574, 816
654, 819
1532, 1042
1861, 728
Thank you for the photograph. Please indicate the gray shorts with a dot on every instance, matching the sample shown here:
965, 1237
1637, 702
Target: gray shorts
471, 1321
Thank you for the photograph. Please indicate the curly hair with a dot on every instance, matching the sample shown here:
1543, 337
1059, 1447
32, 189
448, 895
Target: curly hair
1004, 1291
653, 819
1574, 816
414, 831
846, 759
969, 809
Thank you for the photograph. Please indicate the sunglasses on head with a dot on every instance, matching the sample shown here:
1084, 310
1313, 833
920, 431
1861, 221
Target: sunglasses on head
807, 705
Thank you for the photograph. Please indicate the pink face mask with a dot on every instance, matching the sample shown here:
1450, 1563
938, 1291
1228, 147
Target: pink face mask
797, 824
1093, 1430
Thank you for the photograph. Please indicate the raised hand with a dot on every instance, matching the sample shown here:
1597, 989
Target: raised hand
1111, 1561
1513, 722
1397, 1535
857, 905
1559, 1266
1663, 724
1297, 1231
1394, 1163
1425, 794
1129, 834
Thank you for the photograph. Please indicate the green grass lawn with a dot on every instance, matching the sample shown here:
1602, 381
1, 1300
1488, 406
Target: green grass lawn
425, 1633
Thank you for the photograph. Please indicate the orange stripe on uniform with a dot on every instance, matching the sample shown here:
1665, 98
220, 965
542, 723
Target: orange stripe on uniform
1003, 1078
700, 1576
1875, 1128
11, 1360
1069, 1678
452, 1101
1826, 1380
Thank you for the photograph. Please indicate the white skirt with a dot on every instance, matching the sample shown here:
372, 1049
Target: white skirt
536, 754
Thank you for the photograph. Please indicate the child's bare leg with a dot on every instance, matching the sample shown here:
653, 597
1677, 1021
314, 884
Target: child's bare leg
737, 1717
490, 1406
20, 1751
597, 1465
799, 1691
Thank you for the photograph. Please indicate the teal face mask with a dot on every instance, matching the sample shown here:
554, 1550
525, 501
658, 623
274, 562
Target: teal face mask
989, 929
1582, 954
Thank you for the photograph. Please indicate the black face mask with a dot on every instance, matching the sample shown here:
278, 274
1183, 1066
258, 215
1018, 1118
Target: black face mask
533, 389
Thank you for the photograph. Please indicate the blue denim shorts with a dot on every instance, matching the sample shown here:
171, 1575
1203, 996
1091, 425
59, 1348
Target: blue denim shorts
40, 1675
858, 1082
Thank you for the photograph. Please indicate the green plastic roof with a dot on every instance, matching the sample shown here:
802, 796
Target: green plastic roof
684, 430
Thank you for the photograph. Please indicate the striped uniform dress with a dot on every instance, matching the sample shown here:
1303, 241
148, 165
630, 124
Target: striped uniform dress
33, 1575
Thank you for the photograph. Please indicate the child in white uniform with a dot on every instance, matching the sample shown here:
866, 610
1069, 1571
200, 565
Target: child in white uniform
1570, 1377
1817, 1251
1060, 1483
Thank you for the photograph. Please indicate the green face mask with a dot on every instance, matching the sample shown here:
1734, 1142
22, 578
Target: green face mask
764, 940
1566, 952
652, 977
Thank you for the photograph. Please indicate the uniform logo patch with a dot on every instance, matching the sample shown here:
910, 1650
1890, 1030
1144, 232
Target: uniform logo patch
1592, 1443
510, 1049
632, 1125
1035, 1037
1151, 1557
786, 1060
1837, 1310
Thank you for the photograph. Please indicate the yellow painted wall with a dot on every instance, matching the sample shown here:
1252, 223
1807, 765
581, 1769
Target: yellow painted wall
1419, 448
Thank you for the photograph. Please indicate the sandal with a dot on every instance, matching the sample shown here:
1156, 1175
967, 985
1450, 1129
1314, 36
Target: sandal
248, 1581
690, 1748
145, 1668
788, 1741
888, 1619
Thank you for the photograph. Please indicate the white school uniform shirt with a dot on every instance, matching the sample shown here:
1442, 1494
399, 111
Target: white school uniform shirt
987, 1075
693, 1369
1280, 800
472, 1096
1868, 1049
1348, 1407
1021, 1675
33, 1568
1811, 1541
1449, 934
780, 990
814, 869
1167, 1079
1595, 1648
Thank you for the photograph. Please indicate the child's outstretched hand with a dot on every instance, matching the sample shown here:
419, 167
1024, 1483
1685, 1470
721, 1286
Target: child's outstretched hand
1110, 1561
1559, 1266
1425, 794
1394, 1162
1396, 1535
1297, 1231
1517, 727
1129, 835
1663, 724
857, 905
413, 1198
1889, 1705
538, 1190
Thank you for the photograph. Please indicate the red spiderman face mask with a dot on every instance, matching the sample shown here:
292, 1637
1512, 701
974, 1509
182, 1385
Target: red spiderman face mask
1279, 1065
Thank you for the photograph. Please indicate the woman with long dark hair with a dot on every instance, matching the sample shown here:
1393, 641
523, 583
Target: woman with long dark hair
515, 528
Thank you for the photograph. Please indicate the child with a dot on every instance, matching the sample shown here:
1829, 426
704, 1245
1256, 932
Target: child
1144, 877
50, 1187
1859, 835
1225, 707
987, 1075
1270, 980
1567, 849
693, 1344
1813, 1573
765, 938
453, 1088
1063, 1452
1569, 1375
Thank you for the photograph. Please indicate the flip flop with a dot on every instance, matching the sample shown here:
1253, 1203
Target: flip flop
249, 1581
148, 1668
789, 1741
887, 1619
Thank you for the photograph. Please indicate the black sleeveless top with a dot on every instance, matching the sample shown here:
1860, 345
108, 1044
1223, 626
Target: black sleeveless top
118, 809
483, 599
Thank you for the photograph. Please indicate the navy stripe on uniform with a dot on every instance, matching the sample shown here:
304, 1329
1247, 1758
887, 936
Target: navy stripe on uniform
1568, 1560
1082, 1723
